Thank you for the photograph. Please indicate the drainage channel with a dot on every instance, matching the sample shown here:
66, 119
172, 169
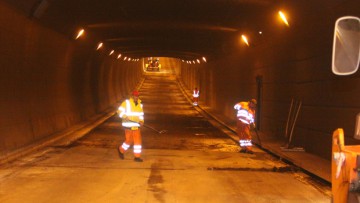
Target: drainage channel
284, 169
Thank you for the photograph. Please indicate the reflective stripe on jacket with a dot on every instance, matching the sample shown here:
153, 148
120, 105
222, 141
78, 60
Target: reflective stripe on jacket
244, 114
196, 93
133, 112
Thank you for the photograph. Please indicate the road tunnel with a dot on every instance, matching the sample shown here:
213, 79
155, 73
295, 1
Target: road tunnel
67, 65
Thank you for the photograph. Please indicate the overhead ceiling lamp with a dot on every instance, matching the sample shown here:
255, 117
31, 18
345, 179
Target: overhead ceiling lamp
194, 62
204, 59
99, 46
125, 58
119, 55
80, 33
245, 40
198, 60
111, 52
283, 18
260, 32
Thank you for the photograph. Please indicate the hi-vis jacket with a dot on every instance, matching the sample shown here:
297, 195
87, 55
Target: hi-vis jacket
244, 114
196, 93
133, 112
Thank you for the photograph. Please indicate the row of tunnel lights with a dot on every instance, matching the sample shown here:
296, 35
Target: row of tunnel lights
244, 38
125, 58
282, 18
193, 61
101, 45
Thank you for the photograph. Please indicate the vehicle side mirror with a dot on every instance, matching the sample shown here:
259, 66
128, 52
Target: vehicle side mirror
346, 46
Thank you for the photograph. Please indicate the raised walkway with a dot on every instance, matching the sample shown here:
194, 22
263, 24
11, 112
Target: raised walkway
308, 162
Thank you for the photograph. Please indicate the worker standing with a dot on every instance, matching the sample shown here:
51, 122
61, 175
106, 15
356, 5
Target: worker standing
132, 115
196, 94
245, 117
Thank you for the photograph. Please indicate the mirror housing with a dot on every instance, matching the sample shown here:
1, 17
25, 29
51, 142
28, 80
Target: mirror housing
346, 46
357, 127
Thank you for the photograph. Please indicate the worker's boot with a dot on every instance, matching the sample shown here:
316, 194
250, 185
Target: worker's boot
249, 151
138, 159
242, 150
121, 155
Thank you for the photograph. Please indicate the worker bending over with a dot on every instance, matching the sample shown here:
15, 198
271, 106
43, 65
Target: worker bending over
245, 118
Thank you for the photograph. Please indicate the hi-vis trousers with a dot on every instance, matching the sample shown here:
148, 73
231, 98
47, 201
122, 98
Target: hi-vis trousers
243, 131
132, 137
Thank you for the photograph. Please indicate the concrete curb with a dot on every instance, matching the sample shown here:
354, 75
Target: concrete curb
65, 137
307, 162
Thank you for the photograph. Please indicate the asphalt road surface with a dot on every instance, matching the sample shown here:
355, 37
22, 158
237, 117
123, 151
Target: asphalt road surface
192, 160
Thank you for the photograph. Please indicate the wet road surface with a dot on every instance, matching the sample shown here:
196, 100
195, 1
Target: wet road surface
190, 161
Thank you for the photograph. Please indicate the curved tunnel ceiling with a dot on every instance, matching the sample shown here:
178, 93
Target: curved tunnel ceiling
170, 28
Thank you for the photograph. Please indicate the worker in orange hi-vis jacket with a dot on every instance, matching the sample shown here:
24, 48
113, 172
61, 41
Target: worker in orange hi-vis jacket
196, 94
245, 117
132, 115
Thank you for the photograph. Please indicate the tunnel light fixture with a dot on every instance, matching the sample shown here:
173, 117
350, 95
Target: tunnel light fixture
119, 55
245, 40
111, 52
197, 60
204, 59
129, 59
125, 58
260, 32
80, 33
99, 46
283, 18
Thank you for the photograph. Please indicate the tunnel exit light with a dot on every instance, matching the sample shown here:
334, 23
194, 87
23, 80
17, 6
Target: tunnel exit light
283, 18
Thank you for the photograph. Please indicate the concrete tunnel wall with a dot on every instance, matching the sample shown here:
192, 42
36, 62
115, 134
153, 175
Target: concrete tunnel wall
49, 83
292, 63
